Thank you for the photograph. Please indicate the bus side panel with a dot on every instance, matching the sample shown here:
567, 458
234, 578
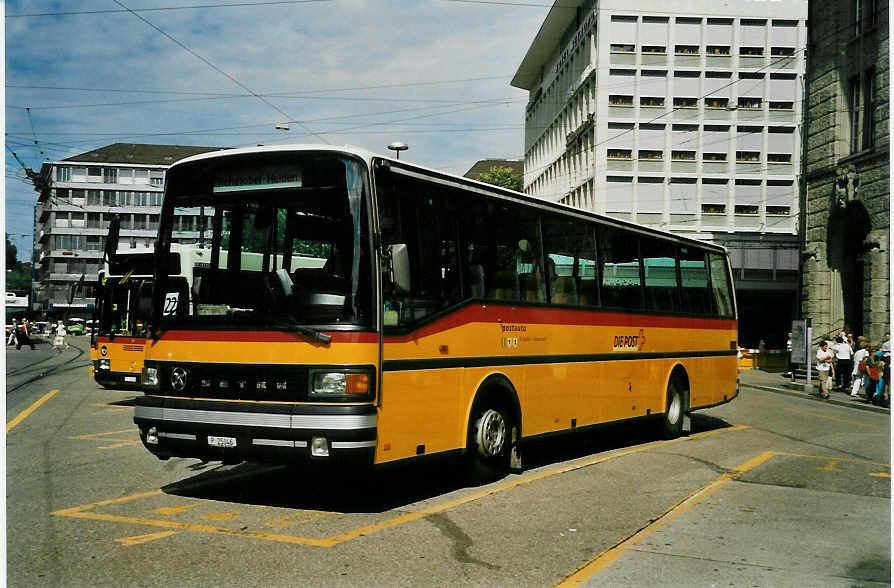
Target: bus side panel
420, 413
552, 397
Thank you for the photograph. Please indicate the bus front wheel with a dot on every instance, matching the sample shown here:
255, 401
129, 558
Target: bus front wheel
675, 410
490, 443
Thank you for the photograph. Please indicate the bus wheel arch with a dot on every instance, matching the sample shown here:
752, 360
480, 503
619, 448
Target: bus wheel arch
676, 404
493, 429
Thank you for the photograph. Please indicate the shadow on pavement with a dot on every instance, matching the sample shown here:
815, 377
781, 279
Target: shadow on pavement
381, 490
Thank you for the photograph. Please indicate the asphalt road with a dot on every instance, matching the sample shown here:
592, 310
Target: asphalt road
770, 490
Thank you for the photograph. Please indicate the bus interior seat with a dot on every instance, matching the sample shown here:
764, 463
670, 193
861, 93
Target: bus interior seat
505, 286
564, 291
530, 286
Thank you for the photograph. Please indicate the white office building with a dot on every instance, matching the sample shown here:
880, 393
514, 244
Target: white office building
687, 120
78, 198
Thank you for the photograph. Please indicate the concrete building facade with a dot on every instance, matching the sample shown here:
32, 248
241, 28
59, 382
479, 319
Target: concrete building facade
846, 262
78, 197
684, 117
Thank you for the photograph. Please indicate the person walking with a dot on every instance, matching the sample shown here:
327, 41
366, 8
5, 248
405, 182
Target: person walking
59, 340
844, 357
23, 338
13, 335
874, 370
824, 366
858, 373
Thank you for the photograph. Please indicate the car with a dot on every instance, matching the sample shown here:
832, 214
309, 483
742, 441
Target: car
75, 326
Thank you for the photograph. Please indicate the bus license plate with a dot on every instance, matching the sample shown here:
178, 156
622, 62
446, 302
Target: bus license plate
222, 441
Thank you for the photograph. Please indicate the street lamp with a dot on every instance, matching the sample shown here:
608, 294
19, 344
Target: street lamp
397, 147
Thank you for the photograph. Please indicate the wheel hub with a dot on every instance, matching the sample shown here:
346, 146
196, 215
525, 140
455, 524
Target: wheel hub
491, 435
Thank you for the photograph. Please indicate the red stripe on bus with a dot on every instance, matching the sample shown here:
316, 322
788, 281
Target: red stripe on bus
506, 314
265, 336
123, 340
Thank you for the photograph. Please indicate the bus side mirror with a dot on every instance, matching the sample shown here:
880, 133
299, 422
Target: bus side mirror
400, 268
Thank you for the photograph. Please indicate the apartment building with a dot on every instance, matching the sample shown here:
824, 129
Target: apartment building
846, 262
684, 117
78, 198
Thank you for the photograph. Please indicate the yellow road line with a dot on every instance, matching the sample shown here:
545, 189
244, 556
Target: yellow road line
24, 414
840, 420
607, 557
140, 539
86, 511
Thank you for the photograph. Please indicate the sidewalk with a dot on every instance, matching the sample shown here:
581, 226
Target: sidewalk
777, 382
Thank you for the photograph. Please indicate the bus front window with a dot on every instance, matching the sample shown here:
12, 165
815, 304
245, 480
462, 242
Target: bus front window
289, 242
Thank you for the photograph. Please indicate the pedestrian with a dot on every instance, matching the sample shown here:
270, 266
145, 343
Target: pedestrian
858, 373
844, 358
824, 367
23, 338
886, 357
11, 340
788, 350
874, 370
59, 340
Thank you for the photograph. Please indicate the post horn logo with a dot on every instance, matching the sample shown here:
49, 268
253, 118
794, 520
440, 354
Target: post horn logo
179, 377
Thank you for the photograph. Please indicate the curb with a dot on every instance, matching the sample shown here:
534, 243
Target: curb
815, 397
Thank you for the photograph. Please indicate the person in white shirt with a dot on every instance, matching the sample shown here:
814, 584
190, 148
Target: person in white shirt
824, 366
843, 357
856, 374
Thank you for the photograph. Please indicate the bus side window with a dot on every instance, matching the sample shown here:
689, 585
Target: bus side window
694, 278
619, 259
570, 247
720, 285
660, 265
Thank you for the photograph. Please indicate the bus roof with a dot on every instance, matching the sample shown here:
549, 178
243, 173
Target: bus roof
422, 172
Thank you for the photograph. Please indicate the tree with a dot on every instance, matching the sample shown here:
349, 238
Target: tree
11, 252
502, 176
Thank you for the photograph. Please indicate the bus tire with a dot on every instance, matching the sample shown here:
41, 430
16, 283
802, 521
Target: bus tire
674, 410
489, 442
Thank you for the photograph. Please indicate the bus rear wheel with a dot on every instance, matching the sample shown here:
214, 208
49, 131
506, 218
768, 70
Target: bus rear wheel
675, 410
489, 443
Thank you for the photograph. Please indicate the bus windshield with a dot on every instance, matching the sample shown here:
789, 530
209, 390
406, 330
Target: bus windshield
289, 241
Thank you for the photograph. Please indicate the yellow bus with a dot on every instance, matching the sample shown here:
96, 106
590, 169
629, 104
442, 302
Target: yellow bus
446, 316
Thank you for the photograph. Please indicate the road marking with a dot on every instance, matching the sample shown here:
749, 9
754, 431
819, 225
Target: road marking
880, 474
88, 511
24, 414
831, 466
175, 510
118, 443
140, 539
295, 518
607, 557
220, 516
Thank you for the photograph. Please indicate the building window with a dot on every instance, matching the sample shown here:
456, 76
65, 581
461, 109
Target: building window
714, 102
751, 51
685, 102
746, 209
683, 155
686, 49
654, 49
110, 175
157, 178
156, 198
779, 157
619, 48
94, 174
868, 108
717, 49
779, 211
93, 198
93, 243
651, 101
750, 103
748, 156
854, 112
782, 51
781, 105
620, 153
63, 174
618, 100
713, 208
108, 198
714, 156
651, 154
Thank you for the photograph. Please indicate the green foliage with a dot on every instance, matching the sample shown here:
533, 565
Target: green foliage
502, 176
18, 281
11, 252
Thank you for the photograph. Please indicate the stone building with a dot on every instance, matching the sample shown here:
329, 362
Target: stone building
846, 226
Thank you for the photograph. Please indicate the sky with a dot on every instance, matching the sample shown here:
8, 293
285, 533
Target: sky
431, 73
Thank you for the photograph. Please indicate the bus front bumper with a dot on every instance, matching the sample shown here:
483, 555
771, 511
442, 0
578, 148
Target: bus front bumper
238, 431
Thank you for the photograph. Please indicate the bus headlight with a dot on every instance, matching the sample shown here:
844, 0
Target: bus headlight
150, 378
354, 385
104, 364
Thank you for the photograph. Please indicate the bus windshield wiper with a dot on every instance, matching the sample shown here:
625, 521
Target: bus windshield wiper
309, 332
